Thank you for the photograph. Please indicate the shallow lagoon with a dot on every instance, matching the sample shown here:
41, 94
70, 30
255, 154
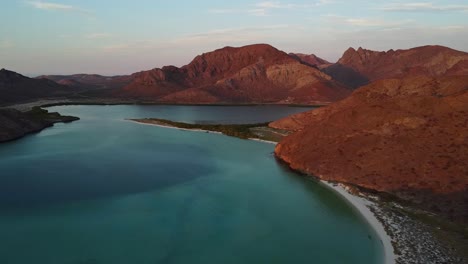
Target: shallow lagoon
106, 190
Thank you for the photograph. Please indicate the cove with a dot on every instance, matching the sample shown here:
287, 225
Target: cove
106, 190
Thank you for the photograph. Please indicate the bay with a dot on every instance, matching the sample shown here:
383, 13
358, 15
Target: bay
107, 190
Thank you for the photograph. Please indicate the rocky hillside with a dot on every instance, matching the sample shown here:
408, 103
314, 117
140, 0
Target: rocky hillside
362, 66
15, 124
15, 87
407, 137
251, 74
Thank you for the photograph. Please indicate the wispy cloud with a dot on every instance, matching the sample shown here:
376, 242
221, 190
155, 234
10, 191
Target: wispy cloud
230, 31
364, 22
422, 7
453, 28
224, 11
265, 8
57, 7
235, 36
133, 46
6, 43
116, 47
98, 35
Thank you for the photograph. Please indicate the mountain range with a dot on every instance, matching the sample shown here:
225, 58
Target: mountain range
15, 88
398, 124
251, 74
255, 74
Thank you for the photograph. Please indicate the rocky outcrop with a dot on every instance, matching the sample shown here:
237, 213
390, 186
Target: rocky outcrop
407, 137
15, 124
361, 66
256, 73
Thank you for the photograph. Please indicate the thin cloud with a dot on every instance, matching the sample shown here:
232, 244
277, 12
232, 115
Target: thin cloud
453, 28
133, 46
57, 7
269, 4
326, 2
240, 35
280, 5
258, 12
98, 36
116, 47
422, 7
265, 8
364, 22
229, 31
224, 11
5, 44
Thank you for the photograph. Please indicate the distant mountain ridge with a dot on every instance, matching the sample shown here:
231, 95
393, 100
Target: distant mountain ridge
256, 73
93, 85
15, 87
362, 66
94, 80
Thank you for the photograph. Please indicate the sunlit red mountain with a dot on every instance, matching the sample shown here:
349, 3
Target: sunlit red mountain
256, 73
404, 134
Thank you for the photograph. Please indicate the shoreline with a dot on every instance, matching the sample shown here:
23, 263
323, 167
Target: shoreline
358, 203
404, 239
361, 205
197, 130
173, 127
25, 106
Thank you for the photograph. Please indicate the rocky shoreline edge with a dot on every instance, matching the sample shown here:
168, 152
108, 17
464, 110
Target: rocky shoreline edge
405, 239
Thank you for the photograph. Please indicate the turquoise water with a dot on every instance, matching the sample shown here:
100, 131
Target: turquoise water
106, 190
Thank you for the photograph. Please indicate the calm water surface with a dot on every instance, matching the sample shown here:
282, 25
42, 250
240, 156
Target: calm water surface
106, 190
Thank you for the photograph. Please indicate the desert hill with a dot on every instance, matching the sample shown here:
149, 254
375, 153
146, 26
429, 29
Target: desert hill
407, 137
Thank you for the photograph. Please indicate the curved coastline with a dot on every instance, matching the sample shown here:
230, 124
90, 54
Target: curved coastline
356, 202
359, 203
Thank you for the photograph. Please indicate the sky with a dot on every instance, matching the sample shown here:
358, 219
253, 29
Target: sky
112, 37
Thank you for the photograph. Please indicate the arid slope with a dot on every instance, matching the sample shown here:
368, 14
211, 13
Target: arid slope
407, 137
